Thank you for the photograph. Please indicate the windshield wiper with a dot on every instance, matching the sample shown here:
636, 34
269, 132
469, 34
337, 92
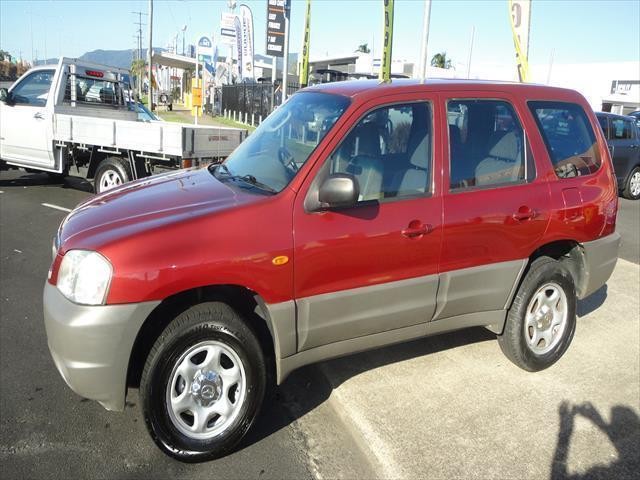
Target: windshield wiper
248, 179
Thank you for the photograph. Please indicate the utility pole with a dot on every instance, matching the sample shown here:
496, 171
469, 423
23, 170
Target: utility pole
285, 66
425, 40
149, 54
138, 54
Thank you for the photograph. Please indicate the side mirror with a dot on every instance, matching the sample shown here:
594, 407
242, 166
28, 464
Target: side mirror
4, 95
339, 190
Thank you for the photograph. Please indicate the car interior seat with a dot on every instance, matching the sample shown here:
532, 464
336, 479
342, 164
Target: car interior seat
504, 161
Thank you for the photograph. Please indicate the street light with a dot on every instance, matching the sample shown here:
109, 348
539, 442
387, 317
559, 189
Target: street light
183, 29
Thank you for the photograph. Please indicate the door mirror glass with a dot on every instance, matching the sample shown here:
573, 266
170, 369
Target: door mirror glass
4, 95
339, 190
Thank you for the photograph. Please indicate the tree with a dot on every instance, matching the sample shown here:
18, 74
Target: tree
364, 48
138, 71
440, 60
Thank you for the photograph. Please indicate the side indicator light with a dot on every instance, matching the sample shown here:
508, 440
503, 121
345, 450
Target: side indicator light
280, 260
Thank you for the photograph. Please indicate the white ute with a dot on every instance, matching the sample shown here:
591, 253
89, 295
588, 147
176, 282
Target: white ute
79, 113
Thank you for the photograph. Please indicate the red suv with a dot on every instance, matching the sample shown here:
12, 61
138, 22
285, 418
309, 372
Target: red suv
357, 215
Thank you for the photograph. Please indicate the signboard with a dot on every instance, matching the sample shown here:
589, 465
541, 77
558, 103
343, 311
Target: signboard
228, 29
196, 96
275, 27
204, 43
520, 13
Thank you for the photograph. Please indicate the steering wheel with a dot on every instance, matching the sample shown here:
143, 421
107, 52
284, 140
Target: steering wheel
287, 159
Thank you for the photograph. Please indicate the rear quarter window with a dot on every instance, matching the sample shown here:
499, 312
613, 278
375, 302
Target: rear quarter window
568, 136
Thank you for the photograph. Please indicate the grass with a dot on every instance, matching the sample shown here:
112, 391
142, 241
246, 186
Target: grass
184, 116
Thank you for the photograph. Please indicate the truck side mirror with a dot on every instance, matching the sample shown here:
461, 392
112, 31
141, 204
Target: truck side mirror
4, 95
339, 190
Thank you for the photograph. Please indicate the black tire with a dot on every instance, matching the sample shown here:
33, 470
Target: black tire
513, 341
116, 168
626, 191
212, 321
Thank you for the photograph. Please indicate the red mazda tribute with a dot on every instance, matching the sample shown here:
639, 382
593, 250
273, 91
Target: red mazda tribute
357, 215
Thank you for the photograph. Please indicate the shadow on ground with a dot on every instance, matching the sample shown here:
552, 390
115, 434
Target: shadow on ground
46, 180
623, 432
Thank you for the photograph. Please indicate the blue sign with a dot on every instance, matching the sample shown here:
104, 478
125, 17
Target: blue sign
204, 42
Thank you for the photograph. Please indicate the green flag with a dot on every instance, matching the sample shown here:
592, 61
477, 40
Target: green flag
385, 66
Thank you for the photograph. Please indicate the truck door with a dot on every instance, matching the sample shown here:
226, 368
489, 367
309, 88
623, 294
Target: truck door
26, 125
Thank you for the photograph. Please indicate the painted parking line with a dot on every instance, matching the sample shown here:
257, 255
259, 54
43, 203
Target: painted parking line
56, 207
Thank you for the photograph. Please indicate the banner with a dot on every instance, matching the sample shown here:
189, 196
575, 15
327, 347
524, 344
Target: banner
275, 28
520, 15
304, 61
387, 36
246, 20
238, 28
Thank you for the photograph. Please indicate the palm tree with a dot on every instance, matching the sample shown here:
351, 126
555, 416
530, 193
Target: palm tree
440, 60
364, 48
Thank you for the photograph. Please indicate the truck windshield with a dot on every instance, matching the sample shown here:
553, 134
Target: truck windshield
273, 154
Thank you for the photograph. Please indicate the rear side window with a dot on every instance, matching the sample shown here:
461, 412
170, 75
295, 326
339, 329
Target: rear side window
603, 124
95, 91
486, 144
621, 129
569, 138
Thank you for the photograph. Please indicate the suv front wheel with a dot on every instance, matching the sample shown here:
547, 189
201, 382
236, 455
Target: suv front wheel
542, 319
203, 383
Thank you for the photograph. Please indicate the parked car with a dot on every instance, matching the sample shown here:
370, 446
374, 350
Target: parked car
623, 138
636, 116
144, 114
414, 209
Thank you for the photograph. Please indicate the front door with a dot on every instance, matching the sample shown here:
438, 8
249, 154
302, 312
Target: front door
26, 123
372, 267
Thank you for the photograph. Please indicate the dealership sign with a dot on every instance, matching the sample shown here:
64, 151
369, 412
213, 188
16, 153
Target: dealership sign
228, 29
275, 27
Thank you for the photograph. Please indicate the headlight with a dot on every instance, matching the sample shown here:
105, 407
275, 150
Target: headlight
84, 277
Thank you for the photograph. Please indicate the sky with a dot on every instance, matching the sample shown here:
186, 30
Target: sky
576, 31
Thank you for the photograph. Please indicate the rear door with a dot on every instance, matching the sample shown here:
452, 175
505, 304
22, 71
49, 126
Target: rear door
27, 125
495, 204
623, 134
373, 267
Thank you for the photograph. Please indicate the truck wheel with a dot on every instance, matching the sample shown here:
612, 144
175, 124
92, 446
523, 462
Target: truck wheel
542, 319
632, 185
112, 172
203, 383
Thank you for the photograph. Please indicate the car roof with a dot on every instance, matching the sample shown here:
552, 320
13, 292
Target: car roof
363, 89
615, 115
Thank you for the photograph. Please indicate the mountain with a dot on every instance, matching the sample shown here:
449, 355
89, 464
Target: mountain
112, 58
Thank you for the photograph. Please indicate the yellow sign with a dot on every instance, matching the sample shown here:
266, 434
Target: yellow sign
385, 66
196, 93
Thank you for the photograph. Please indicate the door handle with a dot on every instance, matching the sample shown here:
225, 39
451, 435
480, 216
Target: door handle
38, 116
524, 213
416, 229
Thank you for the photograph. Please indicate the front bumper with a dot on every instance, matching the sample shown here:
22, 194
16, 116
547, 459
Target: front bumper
91, 345
601, 256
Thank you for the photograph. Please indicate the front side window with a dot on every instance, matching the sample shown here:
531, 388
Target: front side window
621, 129
388, 152
34, 89
280, 146
486, 144
568, 136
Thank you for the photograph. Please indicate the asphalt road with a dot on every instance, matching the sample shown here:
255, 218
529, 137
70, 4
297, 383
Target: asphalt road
327, 421
47, 431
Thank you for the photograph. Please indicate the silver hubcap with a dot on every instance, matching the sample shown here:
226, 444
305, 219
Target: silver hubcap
206, 391
634, 184
109, 180
546, 318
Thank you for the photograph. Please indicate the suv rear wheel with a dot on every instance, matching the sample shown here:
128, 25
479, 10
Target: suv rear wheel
203, 383
542, 319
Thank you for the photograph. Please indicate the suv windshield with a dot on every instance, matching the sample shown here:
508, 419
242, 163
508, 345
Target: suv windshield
273, 154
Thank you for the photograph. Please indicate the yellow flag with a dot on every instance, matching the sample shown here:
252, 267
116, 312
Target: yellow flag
520, 16
387, 36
